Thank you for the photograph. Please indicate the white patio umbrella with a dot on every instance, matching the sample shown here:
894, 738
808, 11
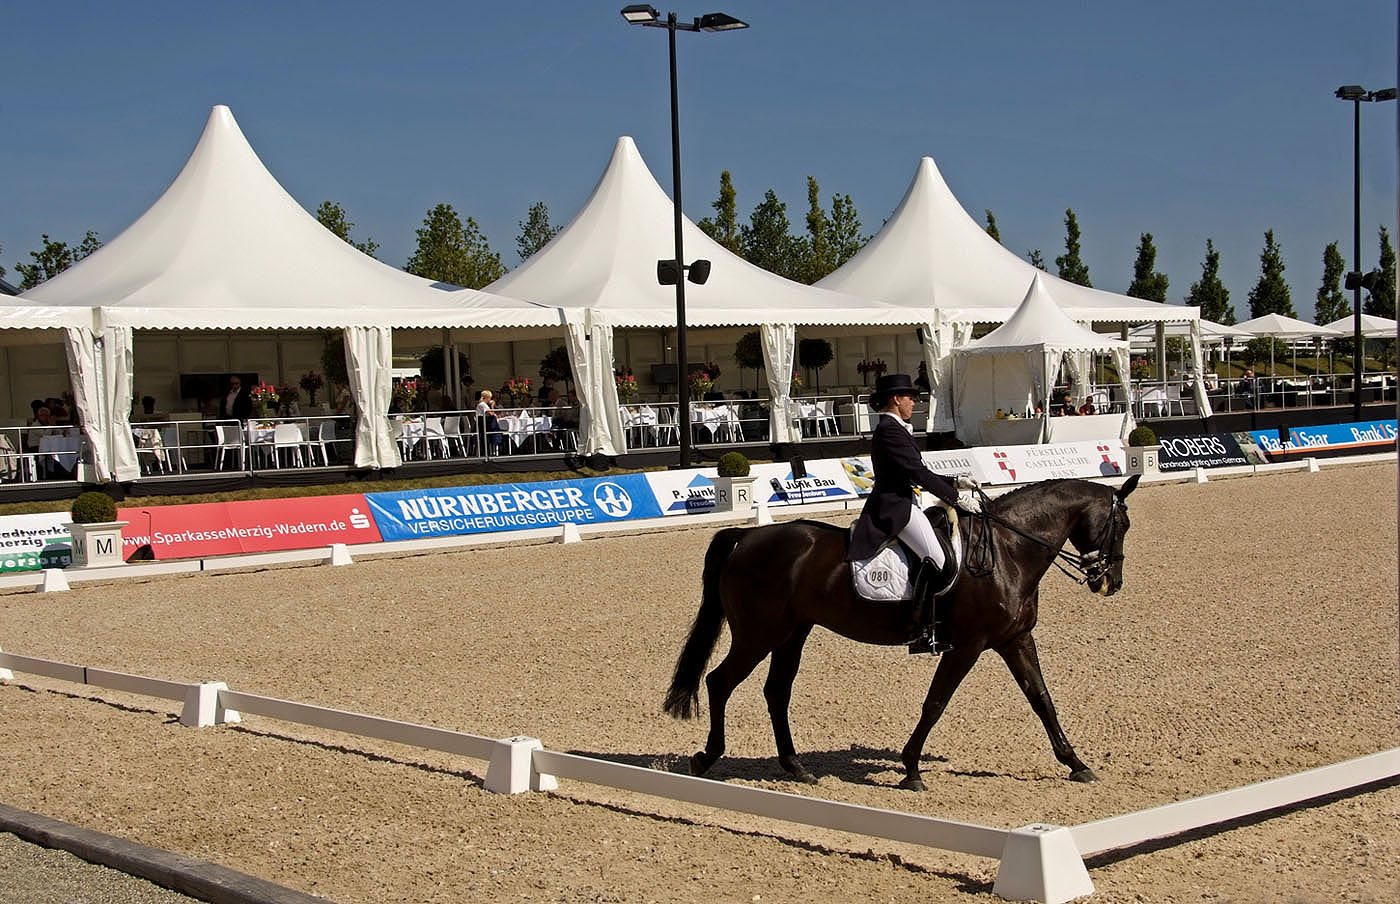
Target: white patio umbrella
1372, 327
1277, 326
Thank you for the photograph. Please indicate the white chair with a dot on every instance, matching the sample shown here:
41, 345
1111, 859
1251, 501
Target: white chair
1102, 404
287, 438
667, 431
733, 428
452, 434
148, 443
325, 440
229, 438
174, 452
1175, 400
434, 435
828, 417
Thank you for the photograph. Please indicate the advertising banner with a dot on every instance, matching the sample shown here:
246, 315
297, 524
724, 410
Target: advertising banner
30, 542
263, 525
827, 480
1029, 464
1186, 453
415, 514
1329, 439
950, 463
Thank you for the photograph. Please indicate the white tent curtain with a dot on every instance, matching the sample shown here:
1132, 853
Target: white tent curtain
369, 360
779, 347
589, 341
938, 364
1198, 388
1078, 367
1121, 363
100, 369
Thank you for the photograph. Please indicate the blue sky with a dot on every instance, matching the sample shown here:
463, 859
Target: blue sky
1187, 120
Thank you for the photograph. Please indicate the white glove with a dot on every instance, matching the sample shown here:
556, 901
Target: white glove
969, 502
967, 482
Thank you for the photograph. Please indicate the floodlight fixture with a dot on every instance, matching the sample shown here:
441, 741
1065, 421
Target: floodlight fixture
720, 22
1346, 92
640, 14
699, 272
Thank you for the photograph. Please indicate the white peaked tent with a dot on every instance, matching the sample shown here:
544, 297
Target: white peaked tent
1014, 368
1372, 327
602, 266
225, 247
932, 256
1277, 326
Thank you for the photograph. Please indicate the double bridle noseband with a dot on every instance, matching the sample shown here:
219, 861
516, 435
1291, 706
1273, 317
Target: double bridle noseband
1093, 565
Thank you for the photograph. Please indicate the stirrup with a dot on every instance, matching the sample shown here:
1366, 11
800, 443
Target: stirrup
928, 642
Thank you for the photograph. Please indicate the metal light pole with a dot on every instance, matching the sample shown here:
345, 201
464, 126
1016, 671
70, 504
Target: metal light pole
668, 272
1354, 280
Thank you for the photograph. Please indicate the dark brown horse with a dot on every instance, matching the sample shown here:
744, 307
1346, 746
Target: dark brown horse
772, 584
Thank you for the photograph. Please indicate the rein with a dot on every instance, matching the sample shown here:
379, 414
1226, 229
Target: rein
1080, 568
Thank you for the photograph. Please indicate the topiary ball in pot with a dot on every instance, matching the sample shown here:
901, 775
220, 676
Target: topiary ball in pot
733, 464
93, 507
1142, 436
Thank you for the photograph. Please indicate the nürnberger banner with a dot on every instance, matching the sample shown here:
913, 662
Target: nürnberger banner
1186, 453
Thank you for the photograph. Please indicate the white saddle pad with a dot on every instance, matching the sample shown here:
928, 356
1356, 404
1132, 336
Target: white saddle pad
885, 576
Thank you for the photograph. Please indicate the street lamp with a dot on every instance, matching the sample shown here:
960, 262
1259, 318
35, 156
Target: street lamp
1355, 280
669, 272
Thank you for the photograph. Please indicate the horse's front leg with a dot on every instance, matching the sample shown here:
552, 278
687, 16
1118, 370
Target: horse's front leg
1024, 664
951, 671
777, 690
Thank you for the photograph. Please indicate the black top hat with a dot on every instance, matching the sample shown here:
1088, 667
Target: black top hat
887, 386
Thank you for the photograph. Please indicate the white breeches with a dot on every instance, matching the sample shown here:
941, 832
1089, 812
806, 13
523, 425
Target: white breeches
918, 533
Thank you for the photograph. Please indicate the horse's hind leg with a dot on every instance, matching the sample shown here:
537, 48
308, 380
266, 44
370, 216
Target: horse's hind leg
777, 690
732, 670
1021, 658
952, 669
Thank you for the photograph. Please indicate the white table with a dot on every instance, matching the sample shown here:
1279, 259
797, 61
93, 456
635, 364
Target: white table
61, 448
640, 418
522, 426
718, 420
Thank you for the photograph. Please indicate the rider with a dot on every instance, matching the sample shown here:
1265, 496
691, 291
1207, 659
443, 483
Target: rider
889, 509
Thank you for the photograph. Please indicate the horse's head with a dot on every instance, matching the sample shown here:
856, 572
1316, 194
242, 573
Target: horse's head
1099, 539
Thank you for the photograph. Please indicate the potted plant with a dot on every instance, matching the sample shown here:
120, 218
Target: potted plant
1142, 451
626, 385
96, 532
733, 485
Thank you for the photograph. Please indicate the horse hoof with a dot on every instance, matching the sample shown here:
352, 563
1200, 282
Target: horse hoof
913, 783
1084, 775
701, 763
805, 777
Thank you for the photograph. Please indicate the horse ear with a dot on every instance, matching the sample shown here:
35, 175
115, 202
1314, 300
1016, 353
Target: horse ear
1128, 486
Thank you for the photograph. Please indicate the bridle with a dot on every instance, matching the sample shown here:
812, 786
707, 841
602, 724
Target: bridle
1081, 568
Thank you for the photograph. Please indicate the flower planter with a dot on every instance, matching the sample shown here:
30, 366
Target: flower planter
1143, 460
97, 545
733, 494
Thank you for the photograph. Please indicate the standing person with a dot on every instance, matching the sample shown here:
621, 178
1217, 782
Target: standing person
487, 426
236, 404
890, 512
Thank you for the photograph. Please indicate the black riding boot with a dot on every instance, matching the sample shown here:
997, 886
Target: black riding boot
926, 615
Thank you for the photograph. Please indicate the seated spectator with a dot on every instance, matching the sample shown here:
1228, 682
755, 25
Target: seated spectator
1088, 407
488, 427
1066, 406
1248, 388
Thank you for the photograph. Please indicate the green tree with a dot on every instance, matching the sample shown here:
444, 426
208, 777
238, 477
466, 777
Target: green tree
53, 258
332, 216
1270, 294
845, 235
1071, 267
819, 258
814, 354
452, 252
1209, 293
748, 353
766, 241
1036, 258
724, 228
992, 229
1331, 303
431, 366
1147, 282
535, 231
556, 366
1381, 301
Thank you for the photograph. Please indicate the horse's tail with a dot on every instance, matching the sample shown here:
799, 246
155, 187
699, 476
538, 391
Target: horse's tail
683, 699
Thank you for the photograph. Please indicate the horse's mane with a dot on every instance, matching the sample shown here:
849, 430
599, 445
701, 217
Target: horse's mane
1010, 499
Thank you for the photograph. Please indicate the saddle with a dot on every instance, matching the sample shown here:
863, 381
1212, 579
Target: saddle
888, 575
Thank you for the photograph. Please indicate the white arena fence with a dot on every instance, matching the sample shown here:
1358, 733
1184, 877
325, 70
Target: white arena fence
1036, 862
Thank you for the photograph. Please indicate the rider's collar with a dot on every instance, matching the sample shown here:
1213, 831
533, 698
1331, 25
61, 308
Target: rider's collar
899, 420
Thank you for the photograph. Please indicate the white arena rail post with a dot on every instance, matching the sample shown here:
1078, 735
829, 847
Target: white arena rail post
339, 555
1041, 863
203, 708
569, 533
761, 515
5, 674
512, 768
54, 581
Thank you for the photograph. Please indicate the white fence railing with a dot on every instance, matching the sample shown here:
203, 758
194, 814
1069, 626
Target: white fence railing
1037, 862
